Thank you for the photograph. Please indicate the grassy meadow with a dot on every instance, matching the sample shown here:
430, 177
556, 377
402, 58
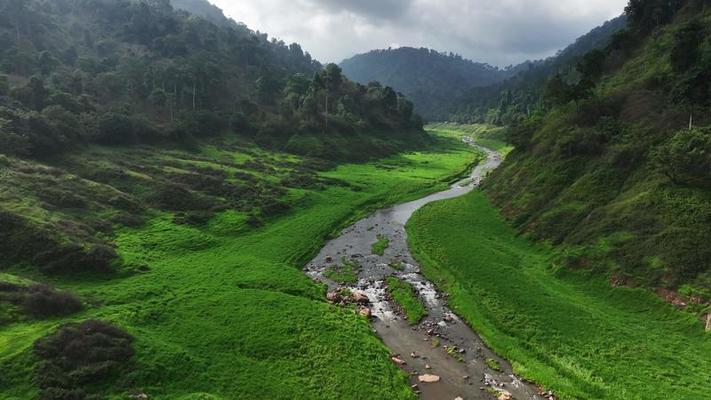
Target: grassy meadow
569, 331
220, 309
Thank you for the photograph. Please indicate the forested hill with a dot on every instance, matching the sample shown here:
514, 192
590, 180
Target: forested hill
509, 100
429, 78
618, 171
122, 72
206, 10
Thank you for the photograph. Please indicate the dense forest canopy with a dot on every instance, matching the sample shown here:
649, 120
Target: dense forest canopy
122, 72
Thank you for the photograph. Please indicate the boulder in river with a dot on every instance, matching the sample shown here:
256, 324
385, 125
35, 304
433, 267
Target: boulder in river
397, 360
428, 378
333, 297
360, 298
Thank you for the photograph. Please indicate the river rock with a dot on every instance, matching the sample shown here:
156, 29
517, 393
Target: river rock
428, 378
397, 360
365, 311
333, 297
360, 298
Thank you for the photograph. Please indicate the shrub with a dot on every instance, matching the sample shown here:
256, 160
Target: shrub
686, 157
75, 258
78, 356
41, 301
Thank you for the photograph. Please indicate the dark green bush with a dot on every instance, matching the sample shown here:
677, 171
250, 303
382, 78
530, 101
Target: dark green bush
41, 301
78, 356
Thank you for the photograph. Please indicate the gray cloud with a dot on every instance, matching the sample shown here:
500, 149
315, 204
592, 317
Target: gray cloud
380, 9
499, 32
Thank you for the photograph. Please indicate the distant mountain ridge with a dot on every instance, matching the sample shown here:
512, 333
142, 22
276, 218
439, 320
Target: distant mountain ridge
430, 78
446, 86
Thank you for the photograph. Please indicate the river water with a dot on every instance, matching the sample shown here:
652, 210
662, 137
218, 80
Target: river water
441, 344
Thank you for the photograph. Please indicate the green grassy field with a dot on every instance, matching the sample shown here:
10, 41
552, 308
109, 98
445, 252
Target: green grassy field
404, 296
569, 331
222, 310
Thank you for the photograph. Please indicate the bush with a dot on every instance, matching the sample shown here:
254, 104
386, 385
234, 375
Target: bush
73, 257
42, 301
115, 129
686, 157
78, 356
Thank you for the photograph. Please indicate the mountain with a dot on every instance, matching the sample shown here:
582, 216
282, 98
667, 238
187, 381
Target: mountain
617, 169
429, 78
506, 101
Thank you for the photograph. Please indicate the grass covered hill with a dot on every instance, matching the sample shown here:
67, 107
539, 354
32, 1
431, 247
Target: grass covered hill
74, 72
619, 172
566, 330
431, 79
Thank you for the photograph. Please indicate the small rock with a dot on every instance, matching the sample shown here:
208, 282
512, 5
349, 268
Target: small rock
360, 298
427, 366
333, 297
397, 360
428, 378
329, 259
505, 396
365, 312
459, 398
414, 355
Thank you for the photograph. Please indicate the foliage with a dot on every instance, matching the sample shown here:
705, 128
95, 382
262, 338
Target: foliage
382, 244
404, 295
141, 72
78, 356
686, 157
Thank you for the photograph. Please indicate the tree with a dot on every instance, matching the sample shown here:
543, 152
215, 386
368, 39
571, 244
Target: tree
557, 91
686, 157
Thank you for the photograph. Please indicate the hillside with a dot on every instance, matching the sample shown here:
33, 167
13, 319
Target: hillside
519, 96
126, 72
618, 172
432, 80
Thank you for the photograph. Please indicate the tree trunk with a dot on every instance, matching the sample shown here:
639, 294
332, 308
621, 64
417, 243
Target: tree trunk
194, 92
691, 121
708, 322
325, 129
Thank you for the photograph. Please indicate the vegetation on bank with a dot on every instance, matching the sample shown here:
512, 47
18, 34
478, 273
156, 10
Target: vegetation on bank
618, 171
214, 297
404, 295
382, 244
569, 331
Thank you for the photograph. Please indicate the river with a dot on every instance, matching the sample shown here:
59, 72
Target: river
441, 345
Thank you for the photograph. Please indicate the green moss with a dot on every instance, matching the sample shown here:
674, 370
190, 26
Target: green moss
404, 296
346, 272
379, 247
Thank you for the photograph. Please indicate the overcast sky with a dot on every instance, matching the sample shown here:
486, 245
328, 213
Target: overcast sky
500, 32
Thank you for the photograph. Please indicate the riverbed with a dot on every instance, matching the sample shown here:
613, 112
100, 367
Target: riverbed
441, 346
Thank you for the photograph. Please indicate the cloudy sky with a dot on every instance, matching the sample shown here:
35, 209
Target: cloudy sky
499, 32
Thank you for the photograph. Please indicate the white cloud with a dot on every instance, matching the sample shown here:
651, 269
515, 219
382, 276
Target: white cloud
499, 32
